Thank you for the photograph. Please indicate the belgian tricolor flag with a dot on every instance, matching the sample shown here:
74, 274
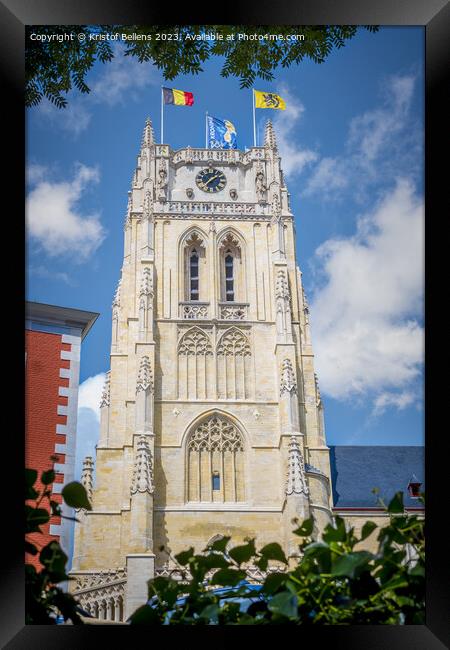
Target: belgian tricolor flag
177, 97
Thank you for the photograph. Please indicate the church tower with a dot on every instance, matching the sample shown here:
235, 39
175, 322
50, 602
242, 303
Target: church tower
211, 417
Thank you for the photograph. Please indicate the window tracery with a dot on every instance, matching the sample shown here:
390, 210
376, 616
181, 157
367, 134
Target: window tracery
215, 461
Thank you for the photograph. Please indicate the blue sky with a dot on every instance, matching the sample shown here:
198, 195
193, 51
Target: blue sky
351, 142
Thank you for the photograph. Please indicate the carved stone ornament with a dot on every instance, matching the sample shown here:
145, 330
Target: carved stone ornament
318, 397
148, 136
229, 241
148, 203
306, 309
216, 434
116, 299
104, 577
145, 379
288, 383
106, 395
234, 343
195, 343
282, 286
195, 239
269, 136
233, 194
142, 480
296, 477
87, 476
190, 193
276, 208
260, 185
161, 182
146, 283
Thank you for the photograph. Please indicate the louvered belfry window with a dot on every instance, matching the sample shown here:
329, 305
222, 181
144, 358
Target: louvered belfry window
229, 277
193, 276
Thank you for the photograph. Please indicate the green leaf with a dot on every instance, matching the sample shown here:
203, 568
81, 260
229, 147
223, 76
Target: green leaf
284, 604
215, 561
273, 582
262, 563
211, 613
47, 477
417, 570
396, 504
305, 529
30, 480
35, 517
30, 477
54, 560
243, 553
320, 552
75, 496
227, 577
273, 552
145, 615
367, 529
397, 582
184, 557
335, 533
351, 564
30, 548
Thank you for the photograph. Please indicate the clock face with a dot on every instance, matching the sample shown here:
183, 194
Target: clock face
211, 180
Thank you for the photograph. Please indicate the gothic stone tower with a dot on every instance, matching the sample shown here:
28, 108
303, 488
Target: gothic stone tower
211, 417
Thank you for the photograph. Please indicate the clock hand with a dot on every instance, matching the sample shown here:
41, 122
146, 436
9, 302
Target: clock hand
211, 179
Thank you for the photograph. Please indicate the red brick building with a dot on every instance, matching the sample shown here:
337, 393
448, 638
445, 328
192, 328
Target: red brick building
53, 338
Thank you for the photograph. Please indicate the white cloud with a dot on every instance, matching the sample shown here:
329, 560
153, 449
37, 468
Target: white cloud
118, 81
365, 316
74, 119
88, 421
122, 78
293, 157
381, 143
43, 272
328, 178
90, 393
35, 173
54, 220
370, 133
397, 400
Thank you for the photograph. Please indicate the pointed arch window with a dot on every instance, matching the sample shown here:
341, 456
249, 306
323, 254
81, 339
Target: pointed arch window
193, 282
232, 280
215, 461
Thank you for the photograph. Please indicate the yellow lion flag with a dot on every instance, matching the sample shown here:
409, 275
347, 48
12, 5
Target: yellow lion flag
268, 100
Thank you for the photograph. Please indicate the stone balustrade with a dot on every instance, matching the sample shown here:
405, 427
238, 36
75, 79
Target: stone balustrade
194, 310
101, 593
233, 310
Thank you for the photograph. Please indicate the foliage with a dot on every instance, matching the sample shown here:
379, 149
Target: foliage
335, 581
55, 66
44, 600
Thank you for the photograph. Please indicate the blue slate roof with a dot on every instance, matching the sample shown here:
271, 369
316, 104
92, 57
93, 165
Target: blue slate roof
356, 470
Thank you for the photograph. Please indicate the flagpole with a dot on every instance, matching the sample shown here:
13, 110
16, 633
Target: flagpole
254, 121
206, 130
162, 116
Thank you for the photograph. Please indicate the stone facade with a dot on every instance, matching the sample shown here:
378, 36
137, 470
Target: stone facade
211, 418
